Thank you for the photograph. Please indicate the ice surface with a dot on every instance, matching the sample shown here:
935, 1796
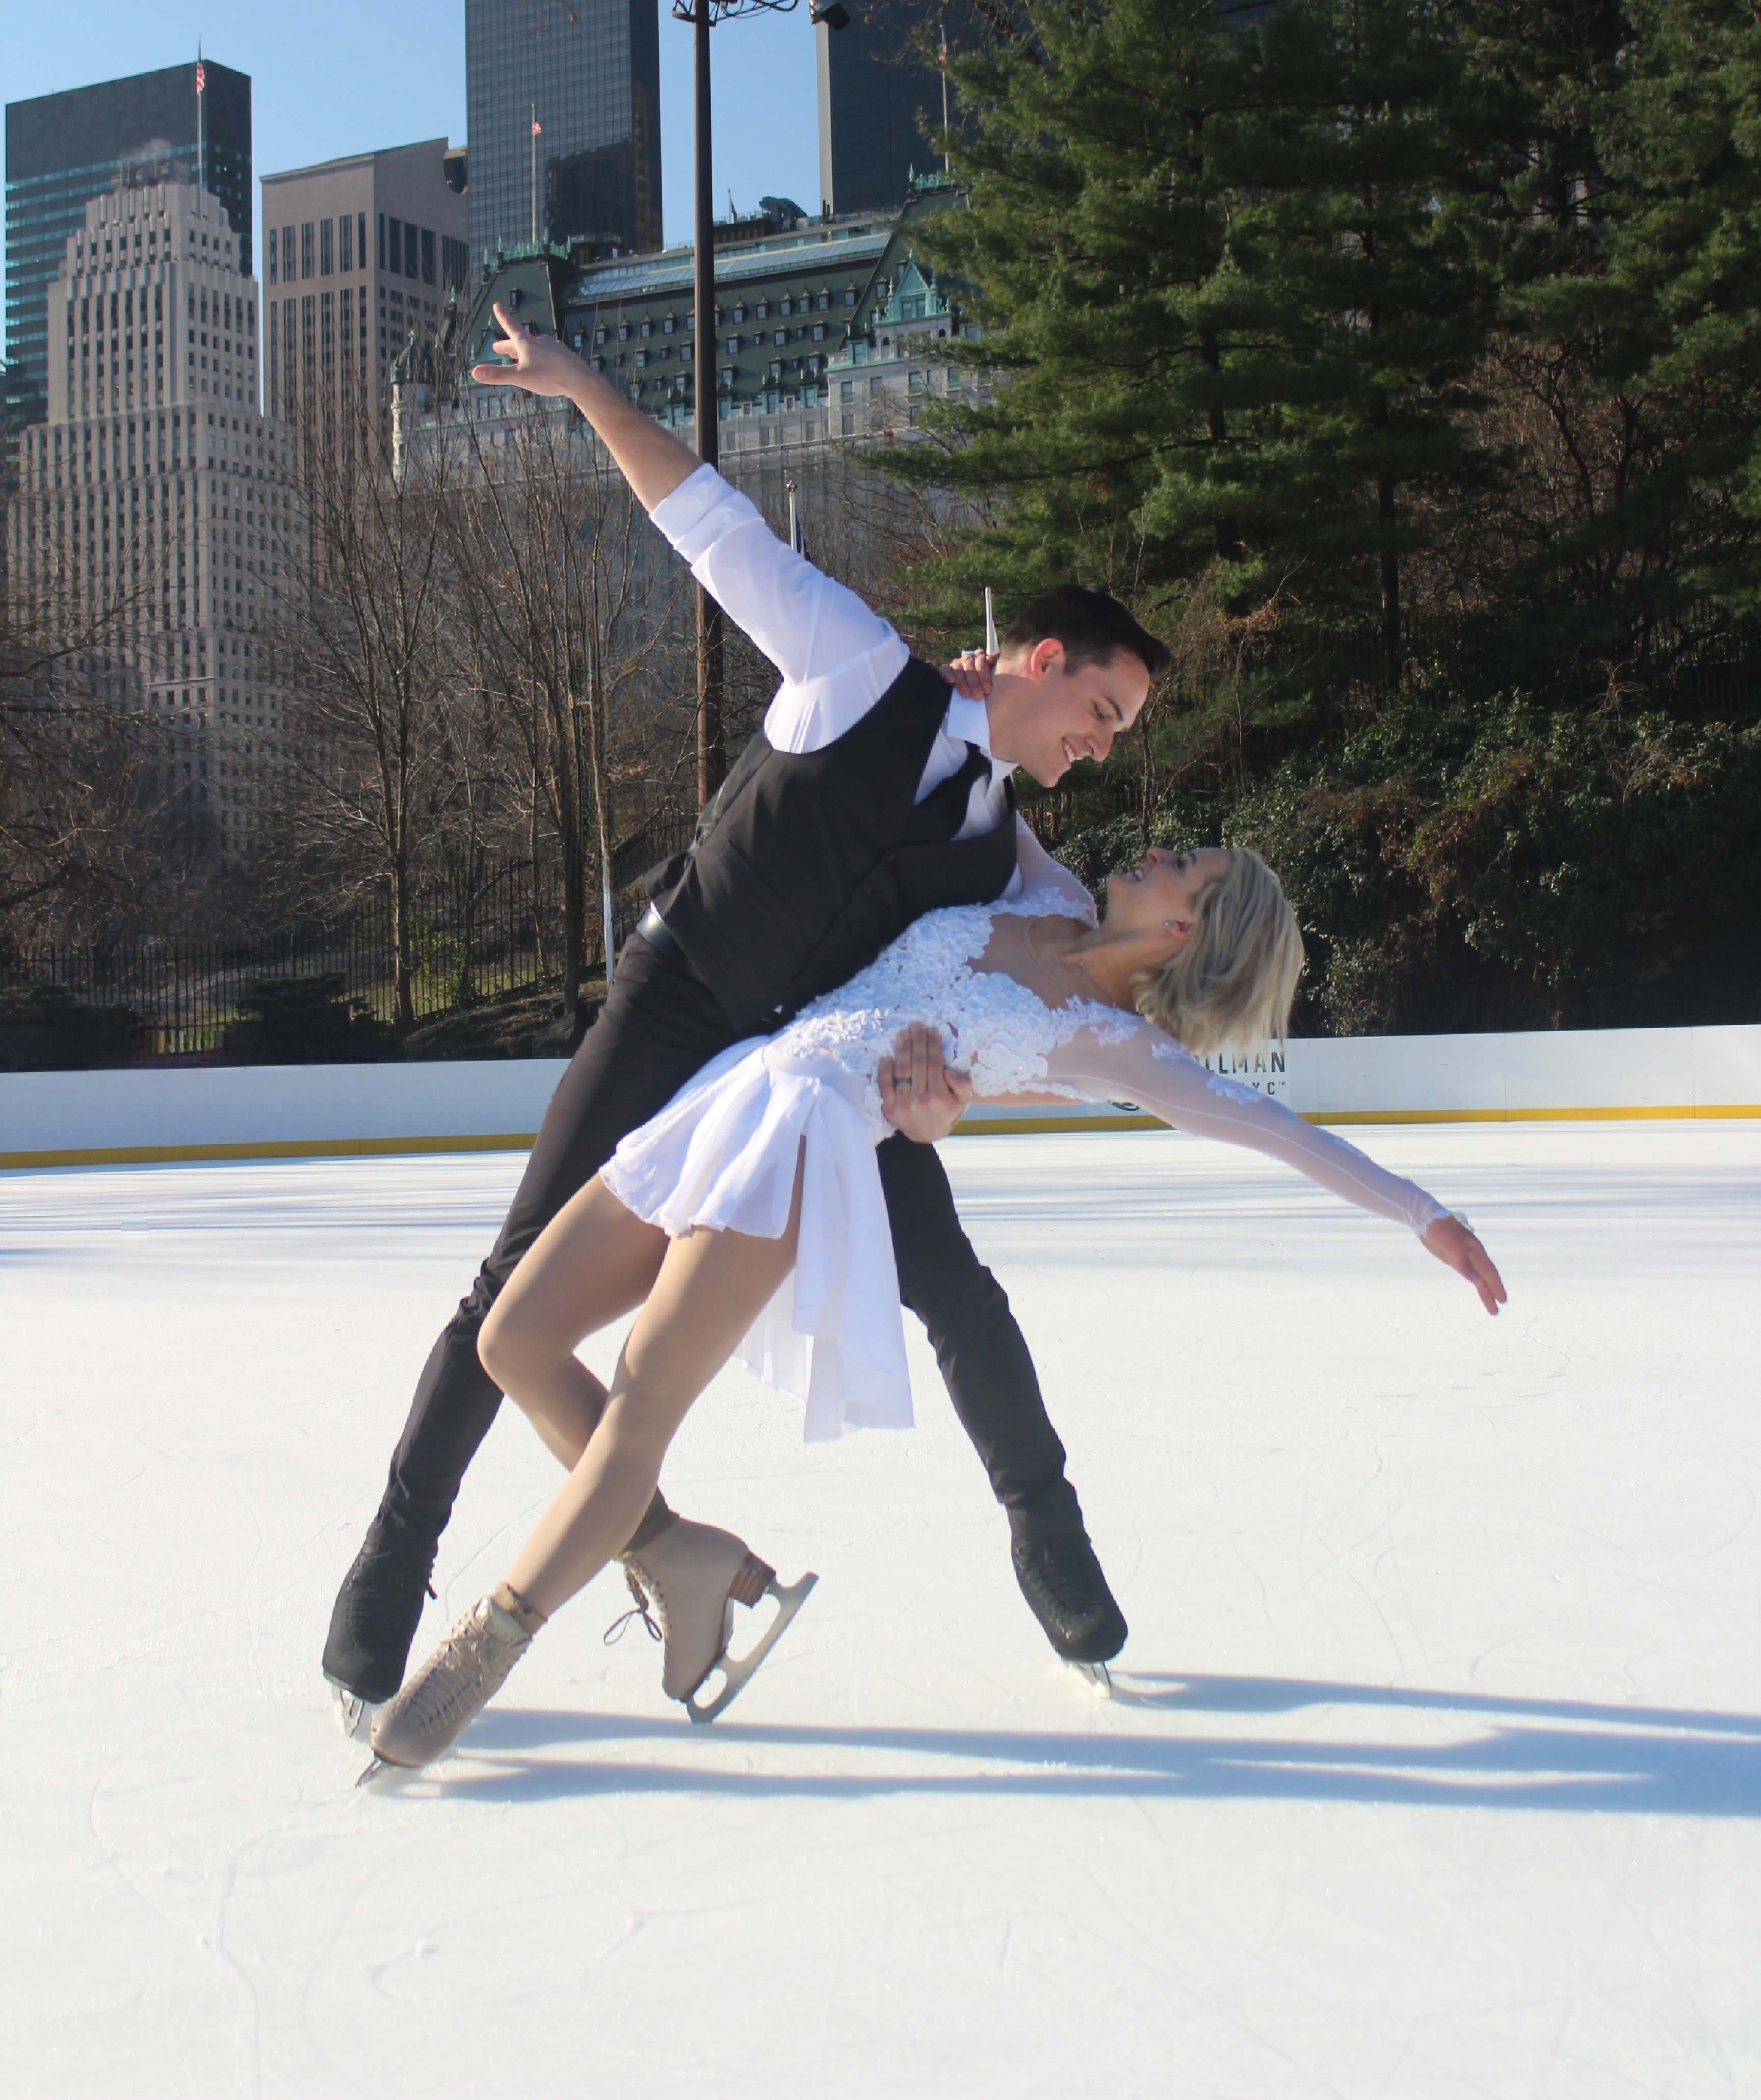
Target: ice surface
1435, 1767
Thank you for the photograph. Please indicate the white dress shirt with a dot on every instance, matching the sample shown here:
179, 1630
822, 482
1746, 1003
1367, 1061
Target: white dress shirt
837, 655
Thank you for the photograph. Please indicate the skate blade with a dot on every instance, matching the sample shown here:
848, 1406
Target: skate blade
388, 1768
737, 1670
1096, 1676
354, 1715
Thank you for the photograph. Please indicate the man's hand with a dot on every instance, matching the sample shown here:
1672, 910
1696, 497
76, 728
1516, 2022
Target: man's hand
1451, 1242
920, 1096
539, 364
971, 673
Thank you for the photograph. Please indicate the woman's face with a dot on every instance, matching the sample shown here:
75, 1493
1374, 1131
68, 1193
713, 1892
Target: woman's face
1160, 895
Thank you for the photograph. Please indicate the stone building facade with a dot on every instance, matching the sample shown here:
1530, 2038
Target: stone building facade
359, 254
152, 499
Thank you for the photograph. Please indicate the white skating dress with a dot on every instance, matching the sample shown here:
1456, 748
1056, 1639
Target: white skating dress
722, 1153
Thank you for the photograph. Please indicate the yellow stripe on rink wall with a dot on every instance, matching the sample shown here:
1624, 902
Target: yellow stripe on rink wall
977, 1126
269, 1148
369, 1148
50, 1119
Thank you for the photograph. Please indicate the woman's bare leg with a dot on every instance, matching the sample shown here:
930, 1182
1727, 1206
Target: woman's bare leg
710, 1288
591, 1264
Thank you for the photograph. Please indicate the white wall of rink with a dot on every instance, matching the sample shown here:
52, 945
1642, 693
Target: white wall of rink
74, 1118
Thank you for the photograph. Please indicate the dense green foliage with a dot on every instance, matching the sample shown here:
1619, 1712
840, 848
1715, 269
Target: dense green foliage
1401, 364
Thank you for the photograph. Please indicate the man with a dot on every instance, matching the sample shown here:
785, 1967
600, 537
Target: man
871, 796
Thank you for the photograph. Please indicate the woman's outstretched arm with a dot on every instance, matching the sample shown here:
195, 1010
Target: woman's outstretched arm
1132, 1060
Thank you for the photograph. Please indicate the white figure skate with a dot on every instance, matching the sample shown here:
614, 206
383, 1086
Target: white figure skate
688, 1578
426, 1718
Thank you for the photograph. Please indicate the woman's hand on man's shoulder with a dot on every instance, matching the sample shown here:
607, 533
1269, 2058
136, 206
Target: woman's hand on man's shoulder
970, 673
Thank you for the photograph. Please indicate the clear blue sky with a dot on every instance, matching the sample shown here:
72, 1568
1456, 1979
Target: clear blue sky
328, 78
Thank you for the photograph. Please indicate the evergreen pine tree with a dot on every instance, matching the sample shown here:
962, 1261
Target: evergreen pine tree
1230, 285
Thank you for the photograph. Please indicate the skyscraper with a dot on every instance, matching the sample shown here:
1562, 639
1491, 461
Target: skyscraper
63, 149
589, 75
358, 255
151, 511
878, 99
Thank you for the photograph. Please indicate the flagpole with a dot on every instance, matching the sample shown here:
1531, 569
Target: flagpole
202, 163
535, 175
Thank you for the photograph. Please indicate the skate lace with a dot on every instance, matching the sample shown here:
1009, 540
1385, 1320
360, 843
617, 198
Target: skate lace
616, 1630
470, 1657
1067, 1582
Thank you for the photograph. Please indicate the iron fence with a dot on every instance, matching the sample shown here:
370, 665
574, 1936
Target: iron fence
476, 932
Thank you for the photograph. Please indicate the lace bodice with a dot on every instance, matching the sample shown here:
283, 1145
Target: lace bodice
998, 1029
992, 1026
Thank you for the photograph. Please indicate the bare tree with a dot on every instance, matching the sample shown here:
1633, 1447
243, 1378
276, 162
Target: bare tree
568, 610
358, 645
95, 822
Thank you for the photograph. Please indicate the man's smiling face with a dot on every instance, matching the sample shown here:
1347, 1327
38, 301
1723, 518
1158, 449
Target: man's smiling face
1062, 714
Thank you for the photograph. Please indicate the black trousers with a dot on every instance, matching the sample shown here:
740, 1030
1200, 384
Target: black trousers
659, 1026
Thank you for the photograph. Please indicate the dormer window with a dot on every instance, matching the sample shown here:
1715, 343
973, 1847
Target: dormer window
849, 295
740, 314
818, 331
598, 337
623, 332
763, 309
647, 330
825, 301
666, 326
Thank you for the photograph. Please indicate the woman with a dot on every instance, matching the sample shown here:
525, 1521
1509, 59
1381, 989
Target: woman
764, 1165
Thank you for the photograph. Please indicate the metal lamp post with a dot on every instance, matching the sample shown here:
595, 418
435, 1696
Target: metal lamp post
703, 15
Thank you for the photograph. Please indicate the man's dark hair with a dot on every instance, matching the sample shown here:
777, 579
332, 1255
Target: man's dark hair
1093, 627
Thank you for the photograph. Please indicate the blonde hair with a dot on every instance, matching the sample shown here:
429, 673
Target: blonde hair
1232, 985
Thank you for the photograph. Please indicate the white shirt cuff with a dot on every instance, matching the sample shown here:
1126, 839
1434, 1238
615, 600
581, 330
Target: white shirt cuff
683, 514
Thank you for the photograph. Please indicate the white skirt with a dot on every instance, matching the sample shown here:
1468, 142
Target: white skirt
722, 1154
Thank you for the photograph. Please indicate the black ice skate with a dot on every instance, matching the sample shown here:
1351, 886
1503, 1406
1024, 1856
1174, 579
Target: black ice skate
1062, 1580
378, 1610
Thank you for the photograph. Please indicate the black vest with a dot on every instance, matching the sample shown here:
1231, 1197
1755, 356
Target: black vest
807, 864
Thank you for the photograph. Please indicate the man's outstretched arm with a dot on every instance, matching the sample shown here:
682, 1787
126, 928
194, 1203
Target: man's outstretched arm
807, 624
648, 456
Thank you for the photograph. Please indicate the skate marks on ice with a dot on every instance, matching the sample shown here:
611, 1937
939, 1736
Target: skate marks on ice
920, 1857
1366, 1744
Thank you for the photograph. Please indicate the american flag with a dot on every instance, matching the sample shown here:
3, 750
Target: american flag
201, 76
537, 129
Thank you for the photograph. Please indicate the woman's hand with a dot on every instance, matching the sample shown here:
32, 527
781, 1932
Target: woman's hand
1452, 1243
539, 364
920, 1096
971, 673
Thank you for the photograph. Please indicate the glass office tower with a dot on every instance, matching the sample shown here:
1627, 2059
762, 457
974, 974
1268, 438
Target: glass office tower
878, 99
590, 74
64, 149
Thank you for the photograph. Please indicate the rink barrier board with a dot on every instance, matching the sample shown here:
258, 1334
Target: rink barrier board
50, 1119
370, 1148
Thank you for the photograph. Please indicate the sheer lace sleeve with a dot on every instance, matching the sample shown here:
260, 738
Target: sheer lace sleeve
1039, 871
1122, 1060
